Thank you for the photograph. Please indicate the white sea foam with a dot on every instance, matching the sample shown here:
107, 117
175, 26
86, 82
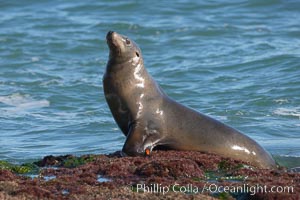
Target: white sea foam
18, 103
294, 112
35, 59
281, 101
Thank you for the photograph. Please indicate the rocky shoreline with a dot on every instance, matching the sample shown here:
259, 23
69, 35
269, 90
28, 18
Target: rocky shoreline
163, 175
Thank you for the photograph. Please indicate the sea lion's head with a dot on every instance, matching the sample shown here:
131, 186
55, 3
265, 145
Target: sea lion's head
122, 49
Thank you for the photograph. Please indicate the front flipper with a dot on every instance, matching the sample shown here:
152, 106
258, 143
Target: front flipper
134, 142
141, 139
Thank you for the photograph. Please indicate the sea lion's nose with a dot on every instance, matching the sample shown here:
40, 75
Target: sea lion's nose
109, 35
110, 32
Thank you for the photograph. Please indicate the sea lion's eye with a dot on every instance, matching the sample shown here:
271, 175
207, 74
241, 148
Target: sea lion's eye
127, 41
137, 54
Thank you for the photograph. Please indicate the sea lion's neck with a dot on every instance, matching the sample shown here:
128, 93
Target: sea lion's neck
135, 81
131, 70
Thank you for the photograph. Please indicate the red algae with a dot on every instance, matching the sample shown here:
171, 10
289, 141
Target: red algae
6, 175
162, 175
171, 168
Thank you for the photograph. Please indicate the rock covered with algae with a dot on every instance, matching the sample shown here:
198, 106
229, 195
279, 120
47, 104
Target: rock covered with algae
163, 175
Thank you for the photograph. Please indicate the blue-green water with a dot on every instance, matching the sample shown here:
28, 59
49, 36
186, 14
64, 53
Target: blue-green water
237, 61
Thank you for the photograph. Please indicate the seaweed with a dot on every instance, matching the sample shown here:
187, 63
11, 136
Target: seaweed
19, 169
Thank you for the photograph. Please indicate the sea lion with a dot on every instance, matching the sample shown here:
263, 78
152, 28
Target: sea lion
149, 118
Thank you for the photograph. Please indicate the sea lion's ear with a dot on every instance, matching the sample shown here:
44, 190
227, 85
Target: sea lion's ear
134, 142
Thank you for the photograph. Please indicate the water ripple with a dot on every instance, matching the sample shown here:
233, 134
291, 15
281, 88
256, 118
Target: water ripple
230, 60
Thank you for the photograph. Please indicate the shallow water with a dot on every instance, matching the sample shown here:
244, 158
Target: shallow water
236, 61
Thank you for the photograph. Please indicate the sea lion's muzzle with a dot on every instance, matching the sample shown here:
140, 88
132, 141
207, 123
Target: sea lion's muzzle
111, 40
109, 35
115, 43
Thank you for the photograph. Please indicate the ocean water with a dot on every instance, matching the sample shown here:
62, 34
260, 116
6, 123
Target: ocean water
237, 61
